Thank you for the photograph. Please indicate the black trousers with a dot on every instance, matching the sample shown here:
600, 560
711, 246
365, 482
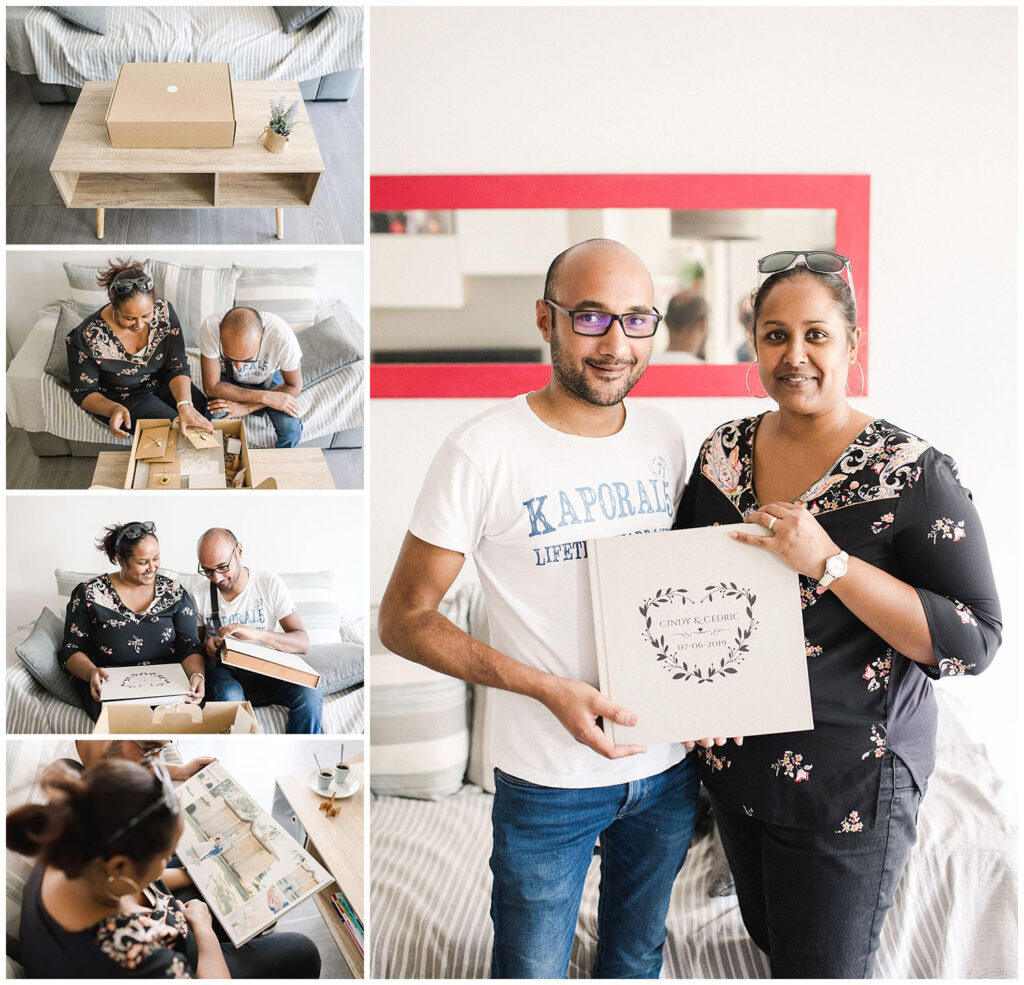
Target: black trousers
281, 955
156, 404
815, 901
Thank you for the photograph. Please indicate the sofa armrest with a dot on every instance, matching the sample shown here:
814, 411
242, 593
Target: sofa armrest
24, 375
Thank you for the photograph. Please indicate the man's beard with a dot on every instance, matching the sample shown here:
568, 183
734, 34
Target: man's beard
575, 379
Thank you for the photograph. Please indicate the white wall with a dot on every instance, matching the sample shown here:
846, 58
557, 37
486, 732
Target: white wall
923, 99
283, 532
36, 277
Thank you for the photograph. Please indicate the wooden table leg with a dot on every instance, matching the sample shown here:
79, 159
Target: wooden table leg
99, 223
279, 215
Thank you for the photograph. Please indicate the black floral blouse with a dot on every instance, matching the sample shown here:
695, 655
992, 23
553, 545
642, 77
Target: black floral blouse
102, 627
99, 363
894, 501
154, 943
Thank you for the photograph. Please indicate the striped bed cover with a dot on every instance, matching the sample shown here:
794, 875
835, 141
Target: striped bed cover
333, 404
31, 710
955, 914
250, 37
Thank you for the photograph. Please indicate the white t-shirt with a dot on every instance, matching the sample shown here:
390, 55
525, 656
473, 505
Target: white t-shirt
522, 499
279, 349
263, 603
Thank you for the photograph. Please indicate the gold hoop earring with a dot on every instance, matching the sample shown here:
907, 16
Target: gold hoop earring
115, 896
746, 382
863, 381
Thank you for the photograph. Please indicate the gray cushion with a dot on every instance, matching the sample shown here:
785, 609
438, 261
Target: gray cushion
91, 18
340, 665
286, 291
83, 291
57, 361
194, 292
39, 654
326, 348
292, 18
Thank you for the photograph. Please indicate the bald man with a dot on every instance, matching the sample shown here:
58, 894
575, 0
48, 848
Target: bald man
521, 487
251, 365
255, 606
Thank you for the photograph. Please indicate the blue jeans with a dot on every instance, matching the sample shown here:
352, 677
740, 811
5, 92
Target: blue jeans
544, 840
305, 704
287, 428
815, 901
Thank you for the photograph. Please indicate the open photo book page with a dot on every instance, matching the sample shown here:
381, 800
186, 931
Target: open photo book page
698, 634
248, 868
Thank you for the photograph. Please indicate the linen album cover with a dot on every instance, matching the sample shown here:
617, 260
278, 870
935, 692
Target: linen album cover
699, 634
147, 684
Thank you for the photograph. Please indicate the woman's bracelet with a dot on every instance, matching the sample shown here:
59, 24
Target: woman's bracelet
196, 674
182, 403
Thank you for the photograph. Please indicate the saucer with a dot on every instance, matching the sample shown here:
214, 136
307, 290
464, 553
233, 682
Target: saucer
348, 789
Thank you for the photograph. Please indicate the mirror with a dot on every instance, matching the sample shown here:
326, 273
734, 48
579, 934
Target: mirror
458, 261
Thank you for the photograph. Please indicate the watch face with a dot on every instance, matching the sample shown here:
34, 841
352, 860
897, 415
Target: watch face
836, 566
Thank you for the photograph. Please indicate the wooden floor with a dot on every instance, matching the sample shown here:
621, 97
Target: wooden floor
36, 213
26, 471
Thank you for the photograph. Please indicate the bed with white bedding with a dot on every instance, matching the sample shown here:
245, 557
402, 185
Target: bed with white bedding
42, 43
955, 914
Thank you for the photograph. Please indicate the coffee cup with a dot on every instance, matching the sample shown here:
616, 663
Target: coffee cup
341, 774
323, 779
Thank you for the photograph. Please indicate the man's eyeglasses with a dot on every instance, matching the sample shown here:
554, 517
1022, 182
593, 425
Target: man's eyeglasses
168, 798
594, 322
123, 286
219, 569
820, 261
133, 531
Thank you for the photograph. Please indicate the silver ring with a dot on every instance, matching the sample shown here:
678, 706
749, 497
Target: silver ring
772, 521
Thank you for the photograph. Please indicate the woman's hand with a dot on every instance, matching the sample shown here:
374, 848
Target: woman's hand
796, 537
189, 417
96, 679
197, 682
120, 422
198, 915
709, 742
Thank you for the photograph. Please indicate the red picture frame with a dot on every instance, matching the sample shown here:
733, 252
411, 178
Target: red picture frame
848, 194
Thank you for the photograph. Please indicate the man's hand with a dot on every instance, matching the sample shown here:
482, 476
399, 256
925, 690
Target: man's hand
250, 633
96, 679
211, 644
578, 706
120, 422
280, 400
188, 770
233, 408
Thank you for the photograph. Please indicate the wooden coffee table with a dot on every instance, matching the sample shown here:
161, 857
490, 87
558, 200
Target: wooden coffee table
293, 468
338, 843
90, 174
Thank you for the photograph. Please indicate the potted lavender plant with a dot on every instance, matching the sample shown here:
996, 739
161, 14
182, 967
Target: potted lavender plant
282, 122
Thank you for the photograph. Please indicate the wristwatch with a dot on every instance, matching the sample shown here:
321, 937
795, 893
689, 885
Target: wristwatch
835, 567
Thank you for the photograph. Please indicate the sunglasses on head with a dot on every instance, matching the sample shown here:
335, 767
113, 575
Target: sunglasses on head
123, 286
168, 798
133, 531
820, 261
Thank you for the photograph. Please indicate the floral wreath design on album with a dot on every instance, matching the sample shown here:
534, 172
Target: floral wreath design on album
689, 670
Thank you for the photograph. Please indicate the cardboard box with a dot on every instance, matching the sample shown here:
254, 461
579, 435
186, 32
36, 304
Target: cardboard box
216, 718
230, 429
172, 104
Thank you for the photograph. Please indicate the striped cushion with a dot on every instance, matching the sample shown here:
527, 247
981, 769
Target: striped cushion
83, 292
286, 291
419, 723
195, 292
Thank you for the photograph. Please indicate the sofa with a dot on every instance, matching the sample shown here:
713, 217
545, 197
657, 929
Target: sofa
58, 49
330, 336
41, 698
955, 913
